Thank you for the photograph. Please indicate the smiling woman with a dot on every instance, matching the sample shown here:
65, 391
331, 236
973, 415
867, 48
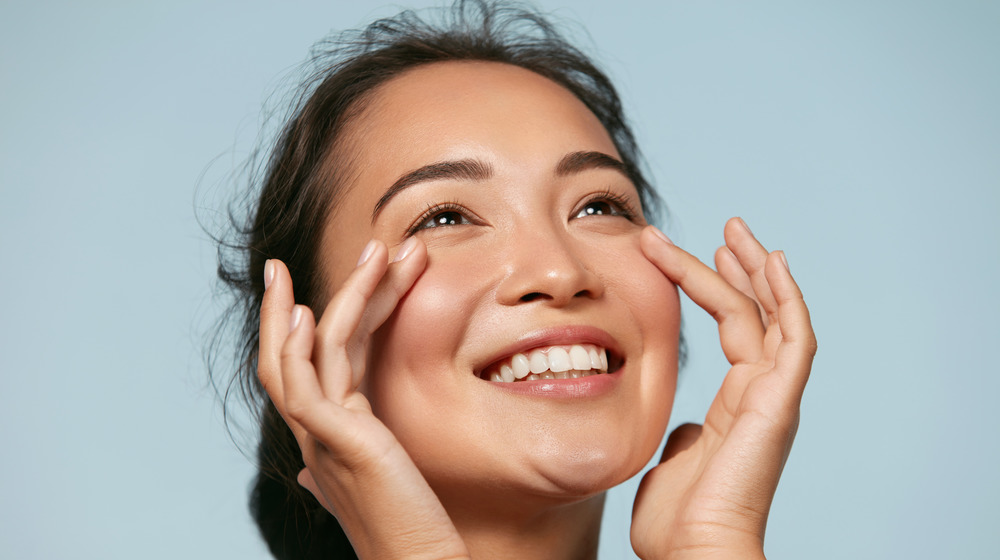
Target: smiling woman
505, 349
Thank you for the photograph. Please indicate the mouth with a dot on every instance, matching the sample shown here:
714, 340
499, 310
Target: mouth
553, 362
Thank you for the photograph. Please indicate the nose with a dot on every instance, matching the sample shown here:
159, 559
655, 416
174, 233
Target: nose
547, 266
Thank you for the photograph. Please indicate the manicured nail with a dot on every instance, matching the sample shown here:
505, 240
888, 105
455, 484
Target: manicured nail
268, 273
405, 249
745, 226
784, 261
662, 235
296, 318
367, 253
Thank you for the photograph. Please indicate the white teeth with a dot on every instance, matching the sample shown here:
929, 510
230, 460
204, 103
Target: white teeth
506, 373
595, 360
538, 362
578, 356
559, 360
519, 363
555, 362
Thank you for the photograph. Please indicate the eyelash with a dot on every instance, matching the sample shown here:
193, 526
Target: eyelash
622, 206
432, 211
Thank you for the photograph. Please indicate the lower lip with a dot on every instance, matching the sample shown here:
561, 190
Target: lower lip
581, 387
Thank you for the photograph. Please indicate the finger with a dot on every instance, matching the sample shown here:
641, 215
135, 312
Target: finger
740, 330
680, 440
729, 267
751, 256
308, 412
316, 421
275, 314
363, 303
408, 264
794, 356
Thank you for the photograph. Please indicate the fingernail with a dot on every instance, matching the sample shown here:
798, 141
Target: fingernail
405, 249
268, 273
784, 261
745, 226
367, 253
296, 318
662, 235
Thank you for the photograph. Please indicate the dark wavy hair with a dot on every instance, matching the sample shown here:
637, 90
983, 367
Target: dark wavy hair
295, 183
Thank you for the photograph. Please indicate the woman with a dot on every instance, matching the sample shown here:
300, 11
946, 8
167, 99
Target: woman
505, 349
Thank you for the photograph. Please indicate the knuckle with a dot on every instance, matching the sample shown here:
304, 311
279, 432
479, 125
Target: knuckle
297, 409
742, 304
811, 345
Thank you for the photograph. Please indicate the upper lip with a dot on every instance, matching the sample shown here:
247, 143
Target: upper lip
554, 336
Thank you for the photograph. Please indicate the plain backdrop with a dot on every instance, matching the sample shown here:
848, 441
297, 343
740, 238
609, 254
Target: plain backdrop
862, 137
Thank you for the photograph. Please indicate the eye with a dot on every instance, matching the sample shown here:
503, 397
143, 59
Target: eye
448, 218
442, 215
606, 204
599, 208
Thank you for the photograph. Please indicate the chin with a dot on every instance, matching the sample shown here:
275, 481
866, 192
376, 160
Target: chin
588, 463
586, 474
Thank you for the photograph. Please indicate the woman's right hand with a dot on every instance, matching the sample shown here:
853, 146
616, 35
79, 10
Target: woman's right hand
355, 466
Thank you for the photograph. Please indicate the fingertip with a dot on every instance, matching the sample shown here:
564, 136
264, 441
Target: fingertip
367, 252
406, 249
268, 273
299, 316
725, 255
659, 235
741, 224
779, 276
736, 228
296, 318
654, 243
784, 260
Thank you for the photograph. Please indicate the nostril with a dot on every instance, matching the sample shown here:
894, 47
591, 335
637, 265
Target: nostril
532, 296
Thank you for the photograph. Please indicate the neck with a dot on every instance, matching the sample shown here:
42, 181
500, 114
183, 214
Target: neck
531, 530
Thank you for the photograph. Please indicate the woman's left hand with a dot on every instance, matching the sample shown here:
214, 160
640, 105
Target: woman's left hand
710, 495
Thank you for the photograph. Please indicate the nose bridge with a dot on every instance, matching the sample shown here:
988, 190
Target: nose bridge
545, 263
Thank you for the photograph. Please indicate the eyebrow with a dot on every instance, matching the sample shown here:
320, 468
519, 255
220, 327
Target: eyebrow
467, 169
575, 162
476, 170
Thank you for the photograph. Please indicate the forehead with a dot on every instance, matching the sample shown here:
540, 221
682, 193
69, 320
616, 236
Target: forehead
457, 109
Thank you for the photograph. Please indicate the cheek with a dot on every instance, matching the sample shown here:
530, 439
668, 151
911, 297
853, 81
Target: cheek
415, 355
653, 305
651, 298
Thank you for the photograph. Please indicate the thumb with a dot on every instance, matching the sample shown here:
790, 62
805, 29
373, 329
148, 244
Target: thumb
306, 480
680, 439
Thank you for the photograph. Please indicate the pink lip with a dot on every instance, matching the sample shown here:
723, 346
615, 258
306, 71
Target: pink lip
592, 385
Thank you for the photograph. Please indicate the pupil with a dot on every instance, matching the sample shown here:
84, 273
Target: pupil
596, 208
446, 219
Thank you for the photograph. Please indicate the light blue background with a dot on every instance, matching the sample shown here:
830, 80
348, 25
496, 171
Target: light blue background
863, 137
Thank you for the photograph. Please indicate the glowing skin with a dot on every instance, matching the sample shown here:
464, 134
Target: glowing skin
527, 265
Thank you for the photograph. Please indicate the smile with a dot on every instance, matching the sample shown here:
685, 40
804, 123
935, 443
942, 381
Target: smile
551, 362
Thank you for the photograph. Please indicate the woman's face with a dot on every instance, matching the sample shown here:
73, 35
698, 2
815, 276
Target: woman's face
532, 234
